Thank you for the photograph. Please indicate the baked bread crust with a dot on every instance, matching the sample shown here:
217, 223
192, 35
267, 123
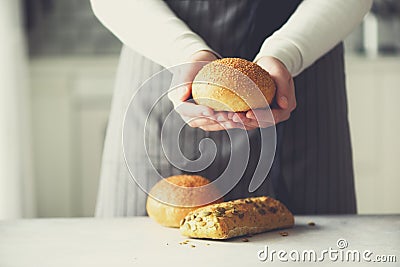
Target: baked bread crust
222, 86
169, 201
236, 218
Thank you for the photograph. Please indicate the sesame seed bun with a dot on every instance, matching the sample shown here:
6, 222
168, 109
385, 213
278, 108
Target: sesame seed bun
169, 201
233, 84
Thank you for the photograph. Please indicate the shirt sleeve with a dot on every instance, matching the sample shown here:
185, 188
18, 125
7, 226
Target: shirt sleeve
151, 28
314, 28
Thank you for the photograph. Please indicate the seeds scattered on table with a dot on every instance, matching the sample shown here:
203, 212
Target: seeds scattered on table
245, 240
284, 233
193, 246
311, 223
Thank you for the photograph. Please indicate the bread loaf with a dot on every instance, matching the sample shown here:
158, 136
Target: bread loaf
236, 218
172, 198
233, 84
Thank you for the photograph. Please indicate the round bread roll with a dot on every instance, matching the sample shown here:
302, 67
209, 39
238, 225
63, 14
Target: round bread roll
171, 199
233, 84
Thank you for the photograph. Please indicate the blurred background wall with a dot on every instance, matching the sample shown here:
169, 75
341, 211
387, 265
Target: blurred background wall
17, 186
71, 64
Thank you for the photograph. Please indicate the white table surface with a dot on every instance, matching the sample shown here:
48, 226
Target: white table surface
141, 242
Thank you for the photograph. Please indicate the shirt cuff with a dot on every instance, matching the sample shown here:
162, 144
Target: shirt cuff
284, 50
189, 44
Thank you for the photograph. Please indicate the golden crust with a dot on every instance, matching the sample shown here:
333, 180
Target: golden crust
221, 85
168, 204
236, 218
188, 180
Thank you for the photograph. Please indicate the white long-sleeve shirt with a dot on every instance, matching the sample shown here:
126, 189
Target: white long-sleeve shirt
152, 29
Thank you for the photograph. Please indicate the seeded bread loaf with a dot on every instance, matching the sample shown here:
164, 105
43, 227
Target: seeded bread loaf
233, 84
236, 218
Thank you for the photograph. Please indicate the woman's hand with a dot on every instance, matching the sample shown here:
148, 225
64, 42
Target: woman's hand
285, 98
197, 115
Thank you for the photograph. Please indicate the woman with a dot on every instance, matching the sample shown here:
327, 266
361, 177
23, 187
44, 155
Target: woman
312, 170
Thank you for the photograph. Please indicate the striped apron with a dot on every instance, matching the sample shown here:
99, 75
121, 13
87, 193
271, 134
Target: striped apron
312, 171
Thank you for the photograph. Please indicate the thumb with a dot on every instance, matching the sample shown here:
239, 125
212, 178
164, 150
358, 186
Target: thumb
283, 91
184, 91
282, 101
282, 78
179, 94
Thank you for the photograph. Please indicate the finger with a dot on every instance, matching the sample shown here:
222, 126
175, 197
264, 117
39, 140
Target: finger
282, 101
249, 128
250, 121
285, 94
220, 126
221, 116
292, 101
179, 94
196, 122
246, 127
200, 122
208, 121
280, 115
258, 124
235, 125
266, 118
226, 126
212, 128
192, 110
181, 84
239, 117
262, 115
284, 86
282, 93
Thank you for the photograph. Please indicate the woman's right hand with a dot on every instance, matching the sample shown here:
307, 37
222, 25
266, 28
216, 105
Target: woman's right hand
197, 115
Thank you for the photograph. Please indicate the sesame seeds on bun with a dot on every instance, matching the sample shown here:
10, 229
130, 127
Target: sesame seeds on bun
233, 84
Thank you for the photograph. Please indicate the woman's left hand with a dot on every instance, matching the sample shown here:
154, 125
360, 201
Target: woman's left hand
285, 98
